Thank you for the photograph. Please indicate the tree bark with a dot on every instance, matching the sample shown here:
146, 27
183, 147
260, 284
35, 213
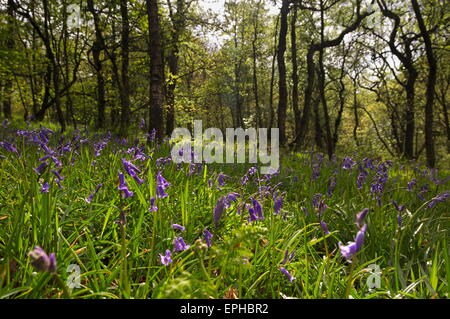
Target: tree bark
282, 86
125, 92
156, 70
295, 108
8, 83
97, 48
431, 83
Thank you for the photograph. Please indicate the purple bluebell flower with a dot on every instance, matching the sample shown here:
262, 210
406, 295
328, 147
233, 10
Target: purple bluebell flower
288, 275
411, 184
56, 161
142, 124
57, 174
252, 217
288, 256
152, 135
258, 209
41, 168
348, 163
331, 185
398, 207
315, 172
166, 258
153, 207
161, 186
179, 227
5, 123
277, 205
179, 244
208, 236
424, 189
131, 169
324, 227
218, 210
124, 187
361, 216
9, 147
231, 197
89, 199
42, 261
319, 204
45, 188
361, 177
399, 219
438, 199
353, 247
221, 179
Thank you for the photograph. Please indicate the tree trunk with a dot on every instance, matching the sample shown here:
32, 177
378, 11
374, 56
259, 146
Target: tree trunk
297, 115
323, 98
429, 143
272, 77
178, 21
8, 84
254, 58
125, 92
97, 47
282, 87
156, 67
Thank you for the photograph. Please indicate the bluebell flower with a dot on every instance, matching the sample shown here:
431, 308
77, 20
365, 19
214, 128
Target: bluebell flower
208, 236
124, 187
161, 186
45, 188
218, 210
153, 207
288, 275
361, 216
179, 227
42, 261
166, 258
353, 247
179, 244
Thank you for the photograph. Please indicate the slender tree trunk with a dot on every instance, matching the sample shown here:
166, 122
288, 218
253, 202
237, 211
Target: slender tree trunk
272, 77
355, 112
97, 48
338, 119
156, 68
8, 83
282, 86
323, 98
431, 83
297, 115
125, 92
178, 21
254, 58
410, 115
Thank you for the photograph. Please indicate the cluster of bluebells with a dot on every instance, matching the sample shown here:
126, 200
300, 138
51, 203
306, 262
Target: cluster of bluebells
180, 245
379, 182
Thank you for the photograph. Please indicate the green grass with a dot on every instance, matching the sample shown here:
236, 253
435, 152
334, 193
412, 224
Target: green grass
245, 257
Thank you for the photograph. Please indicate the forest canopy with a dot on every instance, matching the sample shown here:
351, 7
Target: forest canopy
360, 76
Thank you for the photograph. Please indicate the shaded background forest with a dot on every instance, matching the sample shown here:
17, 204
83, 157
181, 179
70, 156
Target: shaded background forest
360, 76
